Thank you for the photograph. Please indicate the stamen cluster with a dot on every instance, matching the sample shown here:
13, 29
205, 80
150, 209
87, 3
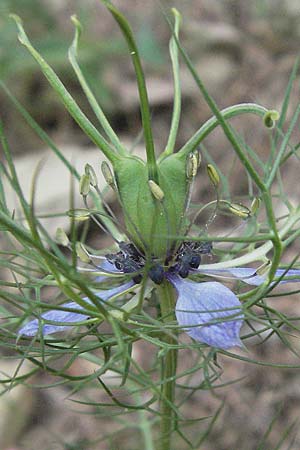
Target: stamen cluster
130, 260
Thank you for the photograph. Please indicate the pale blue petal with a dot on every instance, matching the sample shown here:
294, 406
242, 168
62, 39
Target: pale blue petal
108, 268
200, 309
248, 275
68, 317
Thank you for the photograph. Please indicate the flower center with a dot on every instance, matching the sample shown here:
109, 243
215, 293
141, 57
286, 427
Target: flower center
132, 261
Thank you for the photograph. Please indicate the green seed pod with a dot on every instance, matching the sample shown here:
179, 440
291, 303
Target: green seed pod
92, 174
61, 237
213, 175
84, 185
156, 190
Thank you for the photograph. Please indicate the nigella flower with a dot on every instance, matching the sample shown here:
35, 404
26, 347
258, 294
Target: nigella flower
208, 311
154, 196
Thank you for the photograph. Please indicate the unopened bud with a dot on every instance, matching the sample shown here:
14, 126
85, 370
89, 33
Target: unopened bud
191, 166
82, 252
270, 118
108, 175
84, 184
255, 205
92, 174
239, 210
61, 237
156, 191
213, 175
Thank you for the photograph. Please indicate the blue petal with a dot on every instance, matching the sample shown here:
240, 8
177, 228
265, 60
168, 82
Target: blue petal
201, 308
248, 275
69, 317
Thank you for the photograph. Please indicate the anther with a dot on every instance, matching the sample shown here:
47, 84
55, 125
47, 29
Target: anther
61, 237
84, 184
156, 191
213, 175
82, 252
92, 174
255, 205
108, 175
239, 210
80, 214
191, 166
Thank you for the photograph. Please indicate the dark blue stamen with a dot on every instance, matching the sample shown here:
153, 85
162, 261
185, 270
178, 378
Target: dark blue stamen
130, 260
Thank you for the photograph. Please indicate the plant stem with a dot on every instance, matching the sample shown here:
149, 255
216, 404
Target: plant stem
167, 409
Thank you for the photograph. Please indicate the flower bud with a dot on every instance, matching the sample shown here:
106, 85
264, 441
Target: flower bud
156, 191
82, 252
213, 175
61, 237
92, 174
84, 185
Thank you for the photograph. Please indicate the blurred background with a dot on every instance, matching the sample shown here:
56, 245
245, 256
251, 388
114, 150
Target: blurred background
244, 52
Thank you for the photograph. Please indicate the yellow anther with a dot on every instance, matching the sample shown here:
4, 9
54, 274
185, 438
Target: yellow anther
108, 175
213, 175
61, 237
239, 210
255, 205
82, 252
192, 166
79, 214
156, 191
84, 184
92, 174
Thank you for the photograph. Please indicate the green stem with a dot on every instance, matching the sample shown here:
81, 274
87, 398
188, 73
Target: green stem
167, 410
